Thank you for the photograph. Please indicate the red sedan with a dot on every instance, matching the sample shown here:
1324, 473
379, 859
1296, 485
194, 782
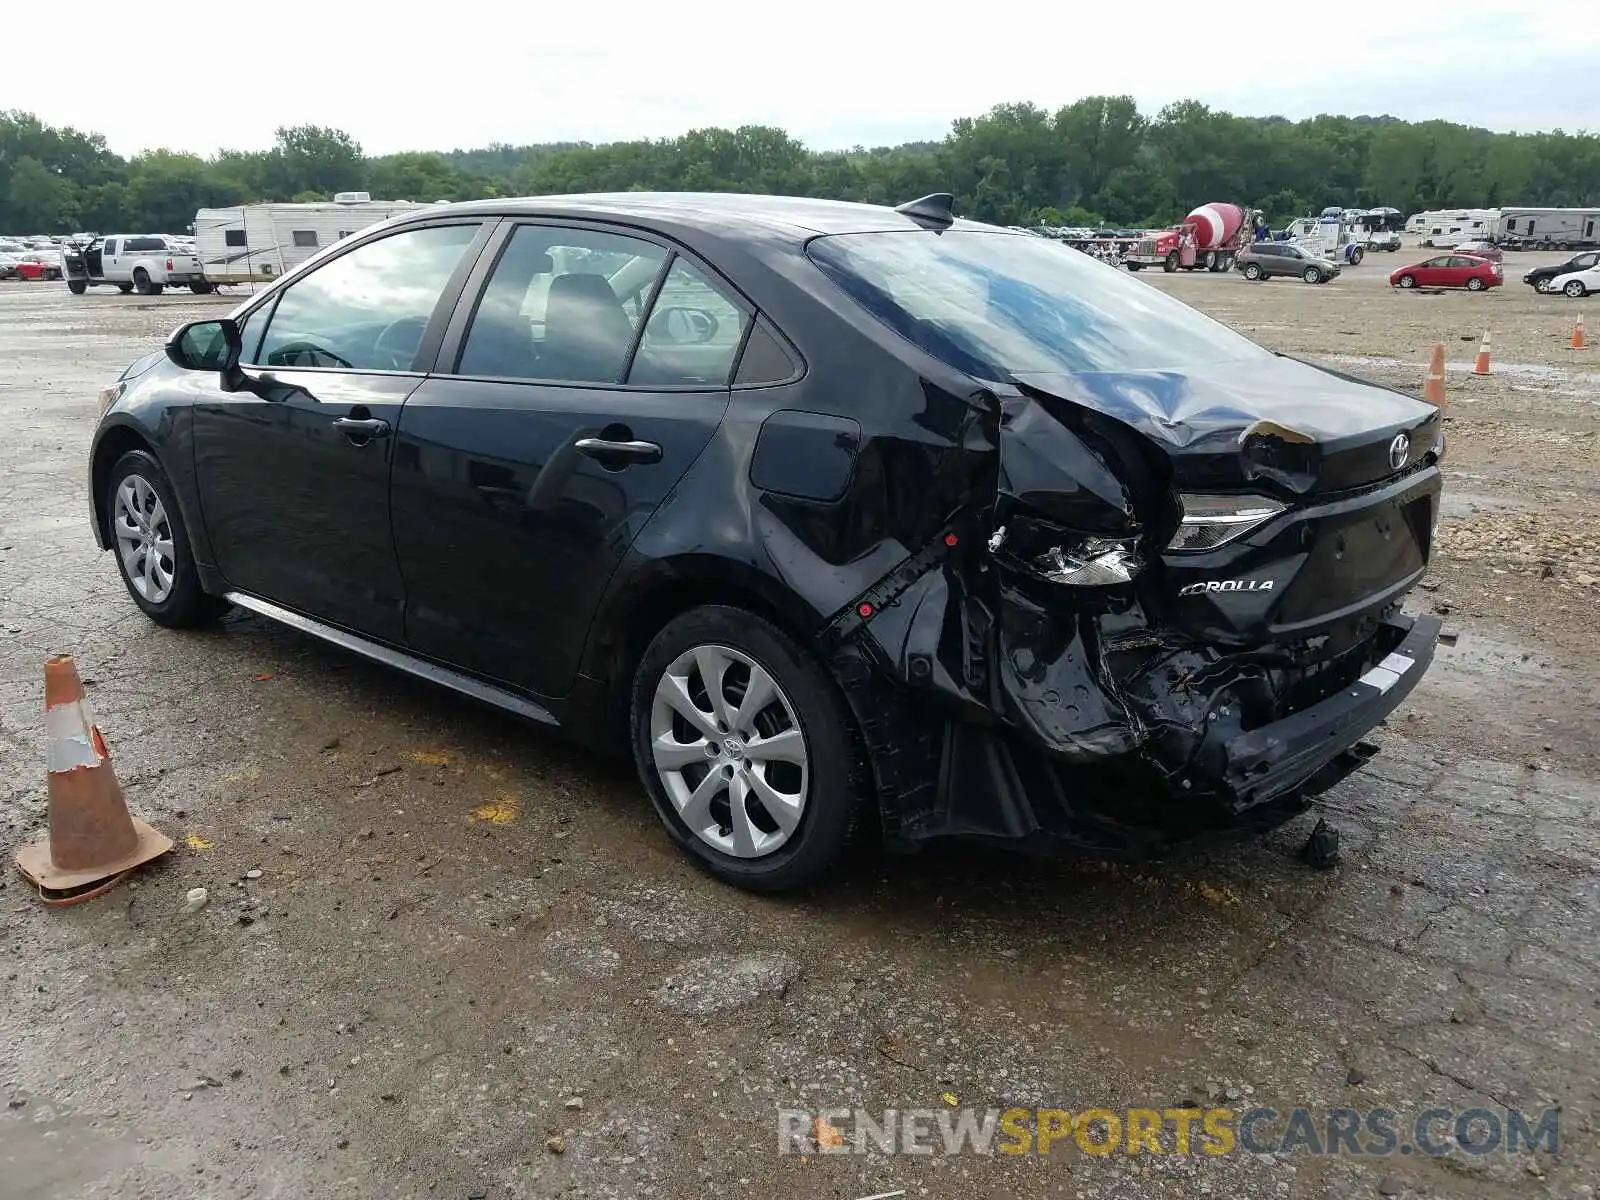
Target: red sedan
1449, 271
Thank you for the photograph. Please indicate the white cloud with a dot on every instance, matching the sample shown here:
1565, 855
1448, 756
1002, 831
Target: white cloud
396, 76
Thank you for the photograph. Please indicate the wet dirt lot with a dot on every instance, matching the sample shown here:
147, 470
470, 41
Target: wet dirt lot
467, 939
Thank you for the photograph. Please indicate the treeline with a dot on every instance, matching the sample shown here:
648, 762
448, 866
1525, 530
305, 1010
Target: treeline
1098, 161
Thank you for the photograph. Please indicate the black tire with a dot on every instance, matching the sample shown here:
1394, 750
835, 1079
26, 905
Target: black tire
185, 606
1474, 284
1408, 281
141, 281
1311, 275
1542, 286
1133, 266
77, 287
202, 288
832, 796
1171, 263
125, 288
1252, 271
1575, 289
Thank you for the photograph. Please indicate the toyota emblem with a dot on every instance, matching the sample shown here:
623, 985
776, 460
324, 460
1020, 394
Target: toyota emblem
1399, 451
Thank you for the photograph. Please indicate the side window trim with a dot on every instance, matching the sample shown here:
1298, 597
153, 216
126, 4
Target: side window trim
647, 309
797, 360
428, 347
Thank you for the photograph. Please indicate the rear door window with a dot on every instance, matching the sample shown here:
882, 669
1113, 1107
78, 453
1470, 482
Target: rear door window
693, 334
563, 305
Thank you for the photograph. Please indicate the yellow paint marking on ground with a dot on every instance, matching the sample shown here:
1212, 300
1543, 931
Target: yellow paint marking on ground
502, 810
195, 842
430, 758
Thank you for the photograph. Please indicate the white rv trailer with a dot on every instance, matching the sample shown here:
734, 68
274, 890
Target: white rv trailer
1552, 228
1451, 226
256, 243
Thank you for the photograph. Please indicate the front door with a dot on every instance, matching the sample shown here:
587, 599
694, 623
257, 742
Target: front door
293, 468
526, 466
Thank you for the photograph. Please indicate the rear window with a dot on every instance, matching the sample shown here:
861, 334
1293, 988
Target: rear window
994, 303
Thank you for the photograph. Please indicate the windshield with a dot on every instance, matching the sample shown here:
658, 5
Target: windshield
995, 303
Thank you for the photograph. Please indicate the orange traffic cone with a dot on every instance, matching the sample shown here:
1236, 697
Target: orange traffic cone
1481, 367
93, 837
1577, 334
1433, 389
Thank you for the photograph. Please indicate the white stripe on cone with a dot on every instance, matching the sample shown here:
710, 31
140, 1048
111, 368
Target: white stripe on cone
71, 738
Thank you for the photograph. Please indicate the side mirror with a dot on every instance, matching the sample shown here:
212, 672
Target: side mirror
684, 326
206, 346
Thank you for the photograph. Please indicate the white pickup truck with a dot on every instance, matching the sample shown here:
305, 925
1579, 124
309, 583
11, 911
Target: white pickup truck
143, 263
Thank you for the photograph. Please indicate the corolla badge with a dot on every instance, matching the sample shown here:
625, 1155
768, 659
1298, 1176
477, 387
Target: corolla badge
1226, 585
1399, 451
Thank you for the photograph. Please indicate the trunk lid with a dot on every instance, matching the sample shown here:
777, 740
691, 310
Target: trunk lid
1355, 536
1232, 425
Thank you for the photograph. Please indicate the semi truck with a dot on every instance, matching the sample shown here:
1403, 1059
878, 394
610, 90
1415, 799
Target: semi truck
1207, 239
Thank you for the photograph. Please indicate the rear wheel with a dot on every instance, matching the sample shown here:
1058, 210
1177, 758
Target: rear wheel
745, 749
202, 288
1210, 260
152, 545
1133, 266
1474, 284
124, 288
77, 287
1408, 281
1575, 289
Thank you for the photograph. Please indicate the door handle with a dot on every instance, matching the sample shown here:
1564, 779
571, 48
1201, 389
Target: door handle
362, 430
606, 450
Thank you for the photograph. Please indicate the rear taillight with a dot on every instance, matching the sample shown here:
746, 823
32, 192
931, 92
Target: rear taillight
169, 266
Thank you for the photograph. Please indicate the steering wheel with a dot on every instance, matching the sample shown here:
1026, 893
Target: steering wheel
305, 354
401, 356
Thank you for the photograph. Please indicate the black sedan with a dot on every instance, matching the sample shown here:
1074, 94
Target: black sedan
1539, 278
842, 518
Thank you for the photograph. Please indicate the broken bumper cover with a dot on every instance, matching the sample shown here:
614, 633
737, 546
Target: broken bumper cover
986, 782
1286, 755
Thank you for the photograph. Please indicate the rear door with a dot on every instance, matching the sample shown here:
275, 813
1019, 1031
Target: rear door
293, 469
584, 372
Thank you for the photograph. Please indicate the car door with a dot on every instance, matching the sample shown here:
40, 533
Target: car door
585, 371
108, 259
293, 467
1433, 272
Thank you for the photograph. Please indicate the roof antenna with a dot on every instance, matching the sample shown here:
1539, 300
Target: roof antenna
937, 211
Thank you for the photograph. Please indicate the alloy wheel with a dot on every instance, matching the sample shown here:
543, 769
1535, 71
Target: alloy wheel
729, 751
144, 539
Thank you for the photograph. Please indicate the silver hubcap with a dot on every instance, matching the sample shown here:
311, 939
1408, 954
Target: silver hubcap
729, 750
144, 539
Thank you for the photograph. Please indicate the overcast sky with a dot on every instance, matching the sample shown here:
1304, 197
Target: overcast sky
403, 76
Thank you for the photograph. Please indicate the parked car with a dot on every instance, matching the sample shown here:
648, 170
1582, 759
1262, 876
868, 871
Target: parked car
827, 511
39, 264
1577, 284
1264, 260
1449, 271
8, 264
1482, 249
1540, 277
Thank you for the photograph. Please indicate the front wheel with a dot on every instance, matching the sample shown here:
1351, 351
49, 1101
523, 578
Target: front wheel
152, 545
1474, 284
1575, 289
77, 287
1542, 286
1133, 266
1408, 281
1171, 264
745, 748
1312, 275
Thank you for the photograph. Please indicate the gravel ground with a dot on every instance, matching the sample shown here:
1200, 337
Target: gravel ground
471, 964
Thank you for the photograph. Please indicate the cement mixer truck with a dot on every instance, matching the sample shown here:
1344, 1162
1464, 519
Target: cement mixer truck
1208, 238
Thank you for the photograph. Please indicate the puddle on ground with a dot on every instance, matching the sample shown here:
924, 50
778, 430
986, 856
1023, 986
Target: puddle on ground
47, 1153
1559, 381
